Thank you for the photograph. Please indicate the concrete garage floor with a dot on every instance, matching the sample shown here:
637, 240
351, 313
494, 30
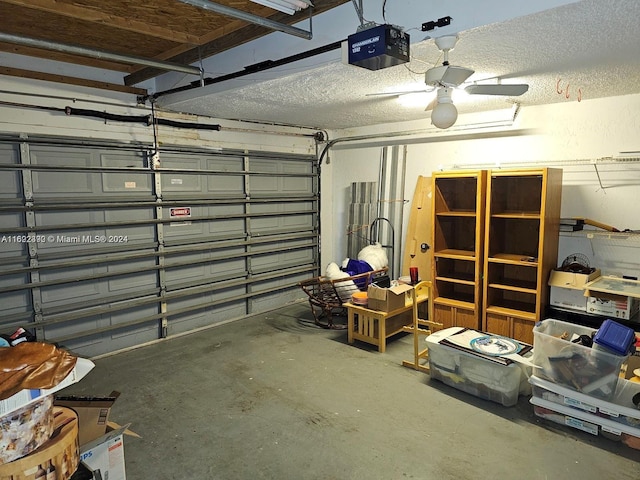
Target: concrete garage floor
274, 397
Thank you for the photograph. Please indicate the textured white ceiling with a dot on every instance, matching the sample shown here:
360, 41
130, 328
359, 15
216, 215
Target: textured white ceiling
591, 48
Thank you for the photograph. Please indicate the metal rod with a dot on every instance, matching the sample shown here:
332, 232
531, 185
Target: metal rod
85, 226
249, 17
95, 53
63, 281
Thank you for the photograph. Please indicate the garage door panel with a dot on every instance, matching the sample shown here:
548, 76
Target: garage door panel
281, 259
9, 221
131, 183
208, 313
70, 217
177, 181
184, 273
69, 285
63, 183
10, 181
146, 275
145, 332
17, 301
225, 184
270, 301
225, 197
144, 232
205, 265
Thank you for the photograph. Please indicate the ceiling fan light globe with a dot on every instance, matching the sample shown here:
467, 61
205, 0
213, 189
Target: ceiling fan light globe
444, 115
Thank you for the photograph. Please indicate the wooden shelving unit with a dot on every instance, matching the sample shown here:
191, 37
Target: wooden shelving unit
458, 216
521, 248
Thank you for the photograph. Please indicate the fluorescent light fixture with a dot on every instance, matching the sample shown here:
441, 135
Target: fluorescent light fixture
286, 6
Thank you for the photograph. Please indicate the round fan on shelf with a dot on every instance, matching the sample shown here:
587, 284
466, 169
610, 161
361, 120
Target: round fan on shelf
576, 263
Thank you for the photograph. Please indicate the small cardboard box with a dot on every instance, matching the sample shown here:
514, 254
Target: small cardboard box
387, 299
106, 455
616, 306
93, 413
567, 289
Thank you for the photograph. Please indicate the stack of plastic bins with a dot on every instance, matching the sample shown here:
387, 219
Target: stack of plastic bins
580, 386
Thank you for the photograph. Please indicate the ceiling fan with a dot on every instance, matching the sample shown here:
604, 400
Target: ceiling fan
446, 77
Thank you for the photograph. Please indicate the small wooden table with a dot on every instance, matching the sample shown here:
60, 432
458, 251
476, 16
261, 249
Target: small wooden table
374, 326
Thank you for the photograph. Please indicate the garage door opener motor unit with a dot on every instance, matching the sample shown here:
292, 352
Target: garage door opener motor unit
378, 47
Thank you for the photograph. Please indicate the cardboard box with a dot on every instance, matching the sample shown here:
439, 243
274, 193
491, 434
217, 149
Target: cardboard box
613, 296
93, 413
106, 455
25, 397
567, 289
101, 441
387, 299
616, 306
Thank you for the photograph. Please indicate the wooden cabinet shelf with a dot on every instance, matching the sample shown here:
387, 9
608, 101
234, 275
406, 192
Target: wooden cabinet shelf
456, 254
513, 259
515, 288
521, 248
461, 281
458, 235
513, 310
457, 213
519, 215
454, 303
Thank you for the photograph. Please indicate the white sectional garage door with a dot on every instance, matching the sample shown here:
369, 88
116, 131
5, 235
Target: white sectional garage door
99, 251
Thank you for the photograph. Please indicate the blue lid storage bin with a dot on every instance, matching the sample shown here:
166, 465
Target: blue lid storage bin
615, 337
591, 371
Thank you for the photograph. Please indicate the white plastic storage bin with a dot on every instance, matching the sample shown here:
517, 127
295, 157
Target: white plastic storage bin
473, 374
620, 409
587, 422
591, 371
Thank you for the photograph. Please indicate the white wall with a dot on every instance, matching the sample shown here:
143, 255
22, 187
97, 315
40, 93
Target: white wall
16, 119
556, 135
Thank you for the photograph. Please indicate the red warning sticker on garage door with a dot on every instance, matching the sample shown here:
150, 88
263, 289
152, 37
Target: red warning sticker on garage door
180, 212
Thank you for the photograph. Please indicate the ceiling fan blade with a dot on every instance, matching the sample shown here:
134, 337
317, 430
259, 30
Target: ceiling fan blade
498, 89
432, 104
389, 94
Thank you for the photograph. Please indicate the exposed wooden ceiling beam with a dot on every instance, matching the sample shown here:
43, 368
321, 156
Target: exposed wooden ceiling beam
64, 57
82, 82
96, 16
224, 39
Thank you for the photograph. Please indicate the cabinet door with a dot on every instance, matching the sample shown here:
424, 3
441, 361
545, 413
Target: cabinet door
523, 330
444, 314
466, 318
451, 316
498, 324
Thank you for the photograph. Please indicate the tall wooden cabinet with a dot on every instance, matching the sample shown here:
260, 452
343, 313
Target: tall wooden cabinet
521, 248
458, 236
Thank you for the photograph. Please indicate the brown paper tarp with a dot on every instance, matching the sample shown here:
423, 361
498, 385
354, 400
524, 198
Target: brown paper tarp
33, 365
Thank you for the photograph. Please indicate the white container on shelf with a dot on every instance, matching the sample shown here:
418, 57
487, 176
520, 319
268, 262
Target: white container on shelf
585, 421
619, 409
